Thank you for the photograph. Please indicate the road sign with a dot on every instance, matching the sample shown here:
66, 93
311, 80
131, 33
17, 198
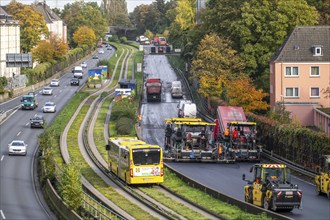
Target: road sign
18, 60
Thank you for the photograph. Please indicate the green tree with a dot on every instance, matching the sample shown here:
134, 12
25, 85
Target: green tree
3, 82
112, 9
84, 36
70, 186
59, 46
214, 64
32, 24
122, 20
81, 14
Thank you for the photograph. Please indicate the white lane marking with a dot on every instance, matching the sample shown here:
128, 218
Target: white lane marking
27, 124
3, 215
3, 156
19, 133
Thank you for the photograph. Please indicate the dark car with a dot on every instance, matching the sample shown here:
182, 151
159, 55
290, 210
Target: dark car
74, 82
95, 57
37, 121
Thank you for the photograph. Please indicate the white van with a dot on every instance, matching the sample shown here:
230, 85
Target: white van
78, 72
189, 110
176, 89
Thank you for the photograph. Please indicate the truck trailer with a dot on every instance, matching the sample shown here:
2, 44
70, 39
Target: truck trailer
153, 90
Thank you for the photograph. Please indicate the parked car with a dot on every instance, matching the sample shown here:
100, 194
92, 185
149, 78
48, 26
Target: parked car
37, 121
83, 65
95, 57
101, 51
74, 82
17, 147
55, 82
49, 107
47, 91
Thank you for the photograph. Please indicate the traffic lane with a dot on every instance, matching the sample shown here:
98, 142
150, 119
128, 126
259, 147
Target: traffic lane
17, 189
227, 179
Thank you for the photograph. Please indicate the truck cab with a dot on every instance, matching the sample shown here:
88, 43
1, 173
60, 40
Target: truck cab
29, 102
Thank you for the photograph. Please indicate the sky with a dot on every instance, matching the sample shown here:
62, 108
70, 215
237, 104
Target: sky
131, 4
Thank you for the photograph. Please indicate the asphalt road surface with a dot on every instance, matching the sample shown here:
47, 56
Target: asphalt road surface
226, 178
18, 194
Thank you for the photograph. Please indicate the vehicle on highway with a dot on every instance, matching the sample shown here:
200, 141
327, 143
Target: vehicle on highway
95, 57
55, 82
29, 102
101, 51
135, 161
322, 179
49, 107
83, 65
32, 93
271, 188
37, 121
78, 72
17, 147
47, 91
176, 89
74, 82
109, 48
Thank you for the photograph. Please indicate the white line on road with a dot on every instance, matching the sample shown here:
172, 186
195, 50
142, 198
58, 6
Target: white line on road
18, 133
27, 124
3, 156
3, 215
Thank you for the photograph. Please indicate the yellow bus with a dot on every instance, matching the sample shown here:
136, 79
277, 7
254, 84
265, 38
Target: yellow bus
135, 161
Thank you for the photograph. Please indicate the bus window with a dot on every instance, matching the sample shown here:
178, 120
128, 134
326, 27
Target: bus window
146, 156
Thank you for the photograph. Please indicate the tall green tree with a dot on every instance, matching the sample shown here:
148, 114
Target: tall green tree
112, 9
84, 36
70, 186
258, 27
32, 24
80, 14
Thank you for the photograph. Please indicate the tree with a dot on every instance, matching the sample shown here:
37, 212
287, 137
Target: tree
112, 8
122, 20
84, 36
59, 46
241, 92
81, 14
32, 24
214, 64
43, 52
70, 186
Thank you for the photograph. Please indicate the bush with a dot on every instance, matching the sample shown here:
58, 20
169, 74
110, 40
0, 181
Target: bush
123, 40
124, 126
123, 108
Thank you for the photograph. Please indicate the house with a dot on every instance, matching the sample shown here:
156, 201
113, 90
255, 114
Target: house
9, 43
300, 76
54, 23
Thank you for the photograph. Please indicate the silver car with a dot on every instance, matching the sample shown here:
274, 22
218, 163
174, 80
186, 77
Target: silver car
17, 147
47, 91
55, 82
49, 107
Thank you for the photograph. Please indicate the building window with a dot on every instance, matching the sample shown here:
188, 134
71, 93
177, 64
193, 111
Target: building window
315, 71
315, 92
291, 71
317, 51
292, 92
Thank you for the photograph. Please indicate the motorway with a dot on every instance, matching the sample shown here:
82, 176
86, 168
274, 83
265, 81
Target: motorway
226, 178
20, 197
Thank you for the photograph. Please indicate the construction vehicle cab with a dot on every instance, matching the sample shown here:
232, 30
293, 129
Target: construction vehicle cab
322, 180
191, 139
271, 188
241, 138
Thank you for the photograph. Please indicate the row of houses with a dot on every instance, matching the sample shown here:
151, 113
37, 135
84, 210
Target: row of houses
10, 34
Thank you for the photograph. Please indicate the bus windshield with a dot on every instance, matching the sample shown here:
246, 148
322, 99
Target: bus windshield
146, 156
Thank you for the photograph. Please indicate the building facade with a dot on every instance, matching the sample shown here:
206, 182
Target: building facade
300, 73
9, 43
56, 26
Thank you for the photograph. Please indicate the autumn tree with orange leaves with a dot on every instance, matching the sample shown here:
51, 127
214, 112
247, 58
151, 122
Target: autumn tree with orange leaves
241, 92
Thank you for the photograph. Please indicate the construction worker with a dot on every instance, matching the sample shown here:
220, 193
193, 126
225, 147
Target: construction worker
139, 119
235, 133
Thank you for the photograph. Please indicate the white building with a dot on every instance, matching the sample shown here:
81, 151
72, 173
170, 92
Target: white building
54, 23
9, 43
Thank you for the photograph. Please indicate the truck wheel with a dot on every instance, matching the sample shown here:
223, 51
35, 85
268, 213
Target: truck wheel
265, 203
318, 190
249, 197
328, 195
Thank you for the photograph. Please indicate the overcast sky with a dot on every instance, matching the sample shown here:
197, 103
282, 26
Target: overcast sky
131, 4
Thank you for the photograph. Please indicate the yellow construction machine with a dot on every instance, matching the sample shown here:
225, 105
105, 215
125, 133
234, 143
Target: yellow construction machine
322, 180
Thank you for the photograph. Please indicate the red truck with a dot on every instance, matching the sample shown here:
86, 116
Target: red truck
153, 89
159, 41
236, 133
